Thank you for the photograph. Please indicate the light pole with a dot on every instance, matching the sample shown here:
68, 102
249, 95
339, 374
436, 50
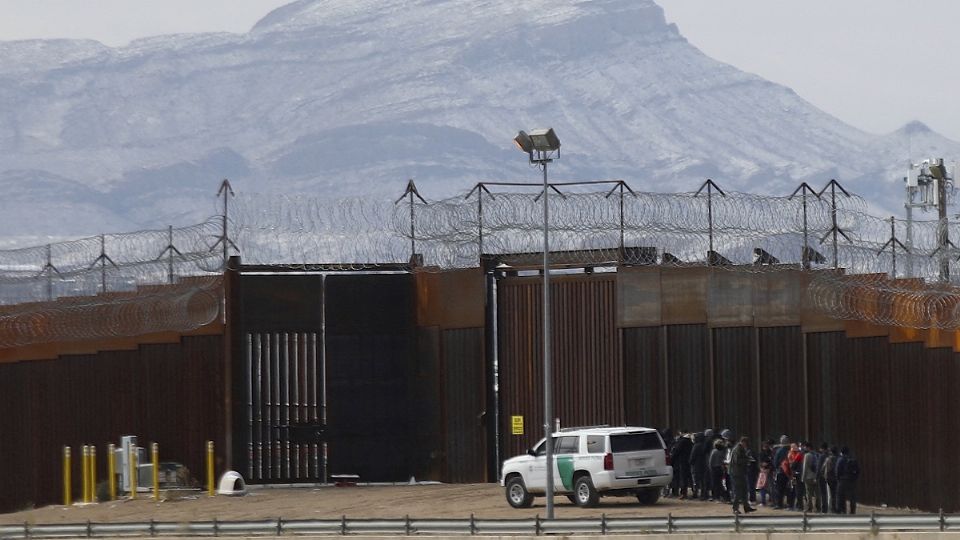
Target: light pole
543, 146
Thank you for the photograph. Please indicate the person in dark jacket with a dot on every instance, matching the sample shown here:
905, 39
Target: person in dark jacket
780, 480
822, 481
848, 472
680, 457
698, 466
753, 471
668, 442
708, 441
737, 471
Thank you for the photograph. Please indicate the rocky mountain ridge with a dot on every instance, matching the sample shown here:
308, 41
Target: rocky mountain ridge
344, 98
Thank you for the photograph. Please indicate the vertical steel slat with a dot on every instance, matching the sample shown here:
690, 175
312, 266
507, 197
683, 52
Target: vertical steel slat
286, 404
318, 409
275, 446
260, 404
295, 400
248, 351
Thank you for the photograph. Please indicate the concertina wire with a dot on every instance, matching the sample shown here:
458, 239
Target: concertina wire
171, 279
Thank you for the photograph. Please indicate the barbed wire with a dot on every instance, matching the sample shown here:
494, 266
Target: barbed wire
593, 225
179, 307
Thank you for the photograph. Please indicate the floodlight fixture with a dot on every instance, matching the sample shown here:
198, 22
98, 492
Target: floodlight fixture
542, 145
524, 142
938, 170
545, 140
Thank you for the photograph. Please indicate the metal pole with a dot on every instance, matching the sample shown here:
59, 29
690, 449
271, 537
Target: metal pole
710, 218
112, 470
942, 233
226, 255
413, 237
48, 269
67, 488
210, 491
93, 473
909, 271
134, 476
170, 256
804, 257
893, 244
155, 461
103, 264
85, 473
480, 220
833, 218
547, 376
621, 220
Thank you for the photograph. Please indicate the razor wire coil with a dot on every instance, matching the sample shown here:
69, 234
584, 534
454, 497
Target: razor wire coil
745, 232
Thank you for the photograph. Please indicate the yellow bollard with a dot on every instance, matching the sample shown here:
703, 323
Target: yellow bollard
210, 468
93, 473
112, 471
155, 458
84, 472
67, 491
132, 459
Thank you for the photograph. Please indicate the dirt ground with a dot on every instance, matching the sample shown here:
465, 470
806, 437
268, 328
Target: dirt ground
328, 502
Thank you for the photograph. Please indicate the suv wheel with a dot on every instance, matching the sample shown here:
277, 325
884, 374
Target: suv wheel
584, 493
517, 494
648, 496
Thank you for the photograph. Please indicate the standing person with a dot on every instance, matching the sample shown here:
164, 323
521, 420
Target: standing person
763, 482
737, 471
765, 460
707, 475
781, 479
848, 472
787, 467
698, 465
668, 442
796, 482
716, 471
728, 446
822, 480
811, 492
829, 469
680, 457
753, 471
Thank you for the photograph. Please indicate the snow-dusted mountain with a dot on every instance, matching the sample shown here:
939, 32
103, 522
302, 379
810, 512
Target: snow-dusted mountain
345, 97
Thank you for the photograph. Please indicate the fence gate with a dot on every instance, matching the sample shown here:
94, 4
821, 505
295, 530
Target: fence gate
321, 376
279, 399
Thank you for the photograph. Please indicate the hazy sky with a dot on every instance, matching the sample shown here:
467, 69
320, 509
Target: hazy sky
875, 64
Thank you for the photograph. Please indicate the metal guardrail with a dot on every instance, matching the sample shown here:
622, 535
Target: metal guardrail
471, 526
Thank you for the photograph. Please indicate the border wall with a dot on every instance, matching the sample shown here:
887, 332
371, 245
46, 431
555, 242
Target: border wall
409, 357
696, 347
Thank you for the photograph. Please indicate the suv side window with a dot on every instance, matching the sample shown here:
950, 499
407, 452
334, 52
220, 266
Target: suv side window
634, 442
541, 449
595, 444
567, 445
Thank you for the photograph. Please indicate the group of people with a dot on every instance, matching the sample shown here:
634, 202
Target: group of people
794, 476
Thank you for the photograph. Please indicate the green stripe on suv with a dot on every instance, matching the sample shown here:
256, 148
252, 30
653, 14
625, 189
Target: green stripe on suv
565, 466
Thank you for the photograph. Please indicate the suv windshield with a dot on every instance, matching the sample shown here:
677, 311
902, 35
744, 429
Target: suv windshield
635, 442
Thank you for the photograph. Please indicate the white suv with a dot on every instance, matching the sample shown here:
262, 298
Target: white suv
590, 462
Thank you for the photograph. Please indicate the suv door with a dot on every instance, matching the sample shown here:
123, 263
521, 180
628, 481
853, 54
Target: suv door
537, 473
566, 448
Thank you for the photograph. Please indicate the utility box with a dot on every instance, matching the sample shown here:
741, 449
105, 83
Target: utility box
128, 444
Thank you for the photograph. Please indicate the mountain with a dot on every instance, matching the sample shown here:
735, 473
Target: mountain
342, 98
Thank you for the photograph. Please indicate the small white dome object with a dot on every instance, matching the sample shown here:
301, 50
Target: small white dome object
232, 484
